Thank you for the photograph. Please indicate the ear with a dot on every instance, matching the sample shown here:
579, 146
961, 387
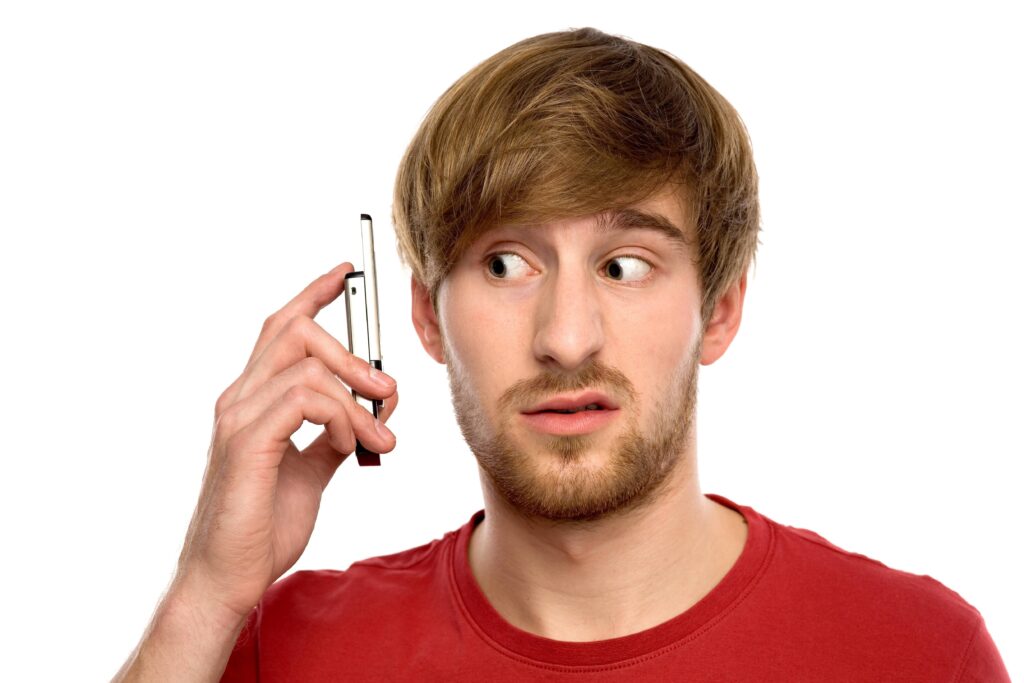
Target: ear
425, 321
725, 322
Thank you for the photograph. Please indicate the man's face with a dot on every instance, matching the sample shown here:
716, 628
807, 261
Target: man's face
531, 313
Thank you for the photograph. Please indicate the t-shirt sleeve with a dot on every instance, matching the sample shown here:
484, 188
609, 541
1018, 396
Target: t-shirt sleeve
243, 665
982, 663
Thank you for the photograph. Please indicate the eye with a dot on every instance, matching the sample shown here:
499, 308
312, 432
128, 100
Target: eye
627, 268
500, 265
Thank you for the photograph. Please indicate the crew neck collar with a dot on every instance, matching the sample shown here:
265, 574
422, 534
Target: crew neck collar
503, 636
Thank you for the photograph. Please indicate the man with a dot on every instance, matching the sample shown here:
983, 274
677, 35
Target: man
579, 213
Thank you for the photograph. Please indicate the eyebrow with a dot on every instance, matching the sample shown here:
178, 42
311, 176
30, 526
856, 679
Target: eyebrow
635, 219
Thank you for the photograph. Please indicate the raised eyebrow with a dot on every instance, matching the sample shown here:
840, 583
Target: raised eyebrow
635, 219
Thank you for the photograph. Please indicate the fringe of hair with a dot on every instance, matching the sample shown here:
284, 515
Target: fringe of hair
570, 124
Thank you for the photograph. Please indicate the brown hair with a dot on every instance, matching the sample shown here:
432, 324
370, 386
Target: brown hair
570, 124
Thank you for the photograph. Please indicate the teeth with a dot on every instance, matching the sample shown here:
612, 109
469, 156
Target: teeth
592, 406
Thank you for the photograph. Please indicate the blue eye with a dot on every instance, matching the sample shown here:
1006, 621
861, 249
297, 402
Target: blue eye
498, 268
634, 270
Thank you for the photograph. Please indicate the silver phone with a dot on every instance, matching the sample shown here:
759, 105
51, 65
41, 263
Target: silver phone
364, 325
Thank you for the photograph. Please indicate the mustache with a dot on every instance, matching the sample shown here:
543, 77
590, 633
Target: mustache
595, 375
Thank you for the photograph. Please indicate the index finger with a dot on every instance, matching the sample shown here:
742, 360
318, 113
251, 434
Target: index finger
309, 301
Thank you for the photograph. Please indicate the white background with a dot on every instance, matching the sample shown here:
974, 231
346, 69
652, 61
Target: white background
172, 174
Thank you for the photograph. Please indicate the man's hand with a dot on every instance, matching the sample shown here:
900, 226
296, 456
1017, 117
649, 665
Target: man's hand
260, 494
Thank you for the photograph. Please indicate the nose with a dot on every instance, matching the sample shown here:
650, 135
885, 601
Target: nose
569, 327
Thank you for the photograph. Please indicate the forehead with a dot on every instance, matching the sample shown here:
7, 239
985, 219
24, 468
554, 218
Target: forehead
633, 218
663, 214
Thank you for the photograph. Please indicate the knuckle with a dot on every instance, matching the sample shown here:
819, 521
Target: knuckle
297, 394
221, 405
228, 421
344, 426
298, 324
365, 420
343, 443
354, 364
312, 367
225, 400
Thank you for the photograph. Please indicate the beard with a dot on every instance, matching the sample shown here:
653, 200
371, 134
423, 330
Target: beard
564, 485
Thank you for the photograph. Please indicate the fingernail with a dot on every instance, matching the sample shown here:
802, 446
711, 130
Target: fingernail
381, 429
380, 378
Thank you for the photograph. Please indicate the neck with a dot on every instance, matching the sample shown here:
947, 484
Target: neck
611, 577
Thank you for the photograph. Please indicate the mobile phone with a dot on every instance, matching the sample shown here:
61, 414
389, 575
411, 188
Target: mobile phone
364, 325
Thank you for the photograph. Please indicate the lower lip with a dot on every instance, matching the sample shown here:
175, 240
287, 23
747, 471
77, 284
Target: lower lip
582, 422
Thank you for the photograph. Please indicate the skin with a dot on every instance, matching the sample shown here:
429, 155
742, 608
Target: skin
606, 534
600, 536
260, 494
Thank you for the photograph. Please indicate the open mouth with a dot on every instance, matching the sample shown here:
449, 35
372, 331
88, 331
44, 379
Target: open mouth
571, 421
592, 406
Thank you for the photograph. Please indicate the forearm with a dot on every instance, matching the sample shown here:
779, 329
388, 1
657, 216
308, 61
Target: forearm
183, 642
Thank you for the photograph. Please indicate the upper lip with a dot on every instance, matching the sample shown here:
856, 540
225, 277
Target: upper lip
569, 401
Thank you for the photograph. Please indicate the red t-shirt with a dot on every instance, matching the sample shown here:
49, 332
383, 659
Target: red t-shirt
793, 607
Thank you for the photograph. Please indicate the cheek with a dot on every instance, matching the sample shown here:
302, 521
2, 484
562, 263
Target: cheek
653, 344
485, 341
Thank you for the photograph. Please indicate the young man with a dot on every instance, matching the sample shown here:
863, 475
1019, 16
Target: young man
579, 213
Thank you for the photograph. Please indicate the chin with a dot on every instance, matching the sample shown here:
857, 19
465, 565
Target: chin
572, 478
614, 469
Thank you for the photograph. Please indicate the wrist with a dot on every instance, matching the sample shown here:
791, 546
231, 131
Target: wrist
190, 638
192, 603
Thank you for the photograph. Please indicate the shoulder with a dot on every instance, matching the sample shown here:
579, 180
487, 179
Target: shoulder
896, 615
810, 595
864, 578
802, 565
333, 617
317, 595
382, 573
848, 597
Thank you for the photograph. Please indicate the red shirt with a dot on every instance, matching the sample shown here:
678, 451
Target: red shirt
793, 607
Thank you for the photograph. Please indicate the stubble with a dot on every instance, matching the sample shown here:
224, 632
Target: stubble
565, 482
